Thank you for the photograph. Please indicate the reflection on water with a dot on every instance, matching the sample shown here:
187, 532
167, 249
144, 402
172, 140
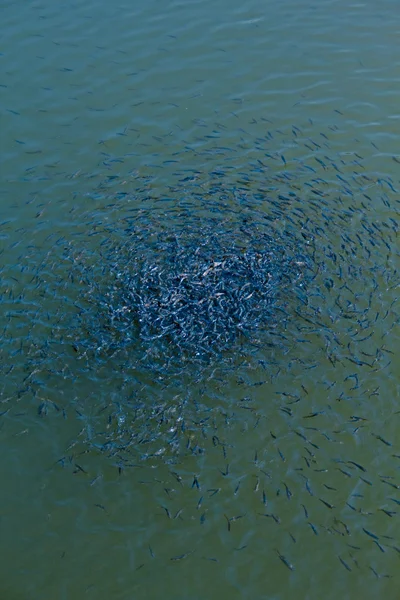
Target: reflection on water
150, 445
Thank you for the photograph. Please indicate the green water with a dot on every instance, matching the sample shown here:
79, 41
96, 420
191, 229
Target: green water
100, 99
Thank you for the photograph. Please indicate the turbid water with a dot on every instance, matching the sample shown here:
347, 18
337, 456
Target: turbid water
199, 289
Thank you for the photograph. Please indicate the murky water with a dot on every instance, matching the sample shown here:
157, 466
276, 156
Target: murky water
272, 469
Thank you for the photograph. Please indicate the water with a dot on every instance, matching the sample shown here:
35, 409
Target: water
105, 110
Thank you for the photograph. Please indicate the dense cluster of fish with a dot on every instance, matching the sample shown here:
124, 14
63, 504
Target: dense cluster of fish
199, 287
232, 333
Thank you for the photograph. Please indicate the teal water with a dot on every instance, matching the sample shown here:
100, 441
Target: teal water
105, 109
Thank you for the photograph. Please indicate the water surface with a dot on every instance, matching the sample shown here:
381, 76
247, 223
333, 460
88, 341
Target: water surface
106, 109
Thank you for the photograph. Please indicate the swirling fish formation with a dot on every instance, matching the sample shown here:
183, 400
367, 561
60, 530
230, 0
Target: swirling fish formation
245, 322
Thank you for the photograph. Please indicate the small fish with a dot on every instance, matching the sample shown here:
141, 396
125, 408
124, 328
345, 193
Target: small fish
326, 503
288, 492
226, 472
372, 535
166, 512
271, 516
177, 477
281, 455
381, 439
346, 566
79, 469
182, 556
264, 498
328, 487
381, 548
313, 528
285, 561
